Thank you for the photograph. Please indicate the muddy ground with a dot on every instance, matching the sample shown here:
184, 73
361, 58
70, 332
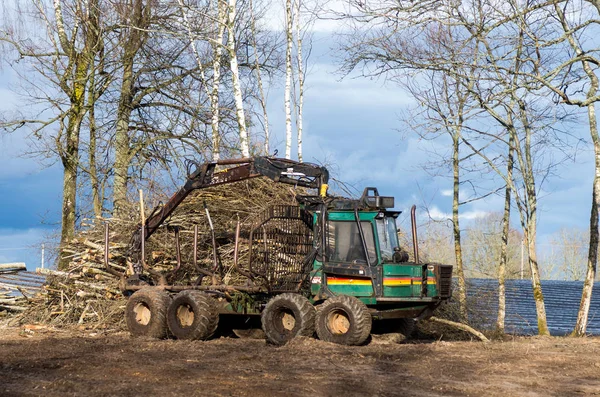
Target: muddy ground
48, 362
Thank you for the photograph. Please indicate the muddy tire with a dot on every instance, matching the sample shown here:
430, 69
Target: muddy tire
146, 313
193, 315
287, 316
344, 320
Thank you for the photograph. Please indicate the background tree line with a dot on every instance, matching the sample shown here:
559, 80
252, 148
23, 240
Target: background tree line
123, 92
500, 84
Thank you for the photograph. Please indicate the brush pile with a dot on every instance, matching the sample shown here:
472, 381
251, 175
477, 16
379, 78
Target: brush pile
86, 292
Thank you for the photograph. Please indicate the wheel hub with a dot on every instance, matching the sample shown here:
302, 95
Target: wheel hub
185, 316
338, 322
142, 313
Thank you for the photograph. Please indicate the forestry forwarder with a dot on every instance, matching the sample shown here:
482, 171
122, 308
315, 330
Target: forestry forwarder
330, 265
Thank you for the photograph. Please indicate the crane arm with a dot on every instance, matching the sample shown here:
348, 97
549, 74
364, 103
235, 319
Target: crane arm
279, 170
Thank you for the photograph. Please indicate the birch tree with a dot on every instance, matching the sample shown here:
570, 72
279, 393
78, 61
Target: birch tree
288, 78
574, 22
235, 79
300, 69
262, 99
564, 61
503, 260
411, 61
384, 42
216, 82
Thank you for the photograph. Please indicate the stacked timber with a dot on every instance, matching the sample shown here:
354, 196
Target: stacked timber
86, 290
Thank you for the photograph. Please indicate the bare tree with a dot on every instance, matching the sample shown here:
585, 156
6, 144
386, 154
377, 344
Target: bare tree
235, 79
575, 18
289, 28
262, 99
503, 260
392, 36
64, 60
300, 68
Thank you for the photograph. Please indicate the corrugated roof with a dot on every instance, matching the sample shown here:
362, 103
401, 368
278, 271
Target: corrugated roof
11, 281
561, 300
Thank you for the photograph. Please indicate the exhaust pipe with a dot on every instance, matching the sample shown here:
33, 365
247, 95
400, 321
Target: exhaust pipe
413, 223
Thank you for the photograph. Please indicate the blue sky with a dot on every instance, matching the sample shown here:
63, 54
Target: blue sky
351, 124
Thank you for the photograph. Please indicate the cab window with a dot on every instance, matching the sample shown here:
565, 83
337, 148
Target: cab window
344, 245
388, 237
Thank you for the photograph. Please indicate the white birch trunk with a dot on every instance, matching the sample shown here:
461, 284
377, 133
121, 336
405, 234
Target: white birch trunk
262, 99
235, 79
288, 79
60, 26
300, 80
214, 96
588, 284
503, 249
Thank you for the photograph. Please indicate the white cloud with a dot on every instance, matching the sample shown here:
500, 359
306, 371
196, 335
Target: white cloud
436, 214
470, 215
446, 193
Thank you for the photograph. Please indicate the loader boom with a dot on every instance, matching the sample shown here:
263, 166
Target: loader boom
278, 169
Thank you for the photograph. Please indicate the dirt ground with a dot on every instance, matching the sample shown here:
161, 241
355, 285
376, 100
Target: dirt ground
41, 361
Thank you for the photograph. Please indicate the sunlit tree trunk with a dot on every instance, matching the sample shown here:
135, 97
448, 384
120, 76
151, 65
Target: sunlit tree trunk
123, 153
504, 242
235, 79
262, 99
288, 79
78, 66
530, 219
93, 131
462, 287
214, 95
588, 284
300, 68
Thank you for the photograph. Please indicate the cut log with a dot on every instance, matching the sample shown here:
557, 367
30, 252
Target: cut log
461, 326
13, 266
50, 272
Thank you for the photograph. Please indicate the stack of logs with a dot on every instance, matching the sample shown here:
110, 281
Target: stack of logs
86, 291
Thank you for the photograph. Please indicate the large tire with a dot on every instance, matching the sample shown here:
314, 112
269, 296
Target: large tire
193, 315
287, 316
146, 313
344, 320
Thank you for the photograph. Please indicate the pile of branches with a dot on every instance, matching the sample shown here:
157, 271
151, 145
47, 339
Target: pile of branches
87, 291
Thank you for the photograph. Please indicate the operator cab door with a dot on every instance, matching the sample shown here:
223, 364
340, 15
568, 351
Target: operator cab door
349, 270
